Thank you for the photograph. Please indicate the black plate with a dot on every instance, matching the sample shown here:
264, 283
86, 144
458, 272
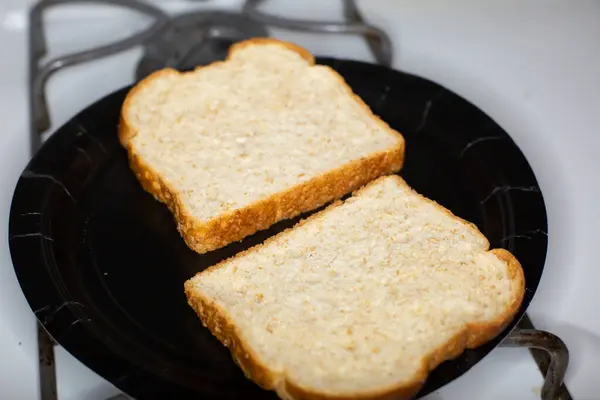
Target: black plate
102, 265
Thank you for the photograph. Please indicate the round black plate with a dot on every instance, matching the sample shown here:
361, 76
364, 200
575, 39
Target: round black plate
102, 265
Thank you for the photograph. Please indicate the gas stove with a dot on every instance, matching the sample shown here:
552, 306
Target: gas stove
534, 79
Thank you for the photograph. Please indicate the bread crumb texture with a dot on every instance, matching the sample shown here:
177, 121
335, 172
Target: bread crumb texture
238, 145
361, 300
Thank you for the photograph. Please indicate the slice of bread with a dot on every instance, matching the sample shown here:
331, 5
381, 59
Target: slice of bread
236, 146
361, 300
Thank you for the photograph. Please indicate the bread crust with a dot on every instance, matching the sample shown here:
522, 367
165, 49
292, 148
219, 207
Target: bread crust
231, 226
472, 335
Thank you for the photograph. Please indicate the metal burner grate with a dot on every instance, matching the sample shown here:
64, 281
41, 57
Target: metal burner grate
199, 38
354, 24
550, 354
39, 74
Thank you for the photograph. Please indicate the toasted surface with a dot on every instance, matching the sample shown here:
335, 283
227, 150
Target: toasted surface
360, 300
238, 145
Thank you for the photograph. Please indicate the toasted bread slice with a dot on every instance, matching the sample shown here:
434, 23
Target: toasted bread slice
236, 146
361, 300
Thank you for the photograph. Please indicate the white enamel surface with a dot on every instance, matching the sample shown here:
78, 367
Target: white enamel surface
532, 65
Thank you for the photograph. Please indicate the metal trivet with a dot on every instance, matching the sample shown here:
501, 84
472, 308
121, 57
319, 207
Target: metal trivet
197, 39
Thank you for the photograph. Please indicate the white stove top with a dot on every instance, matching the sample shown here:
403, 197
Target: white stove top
532, 65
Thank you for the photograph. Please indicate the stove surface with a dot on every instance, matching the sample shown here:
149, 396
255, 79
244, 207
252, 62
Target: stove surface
533, 69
